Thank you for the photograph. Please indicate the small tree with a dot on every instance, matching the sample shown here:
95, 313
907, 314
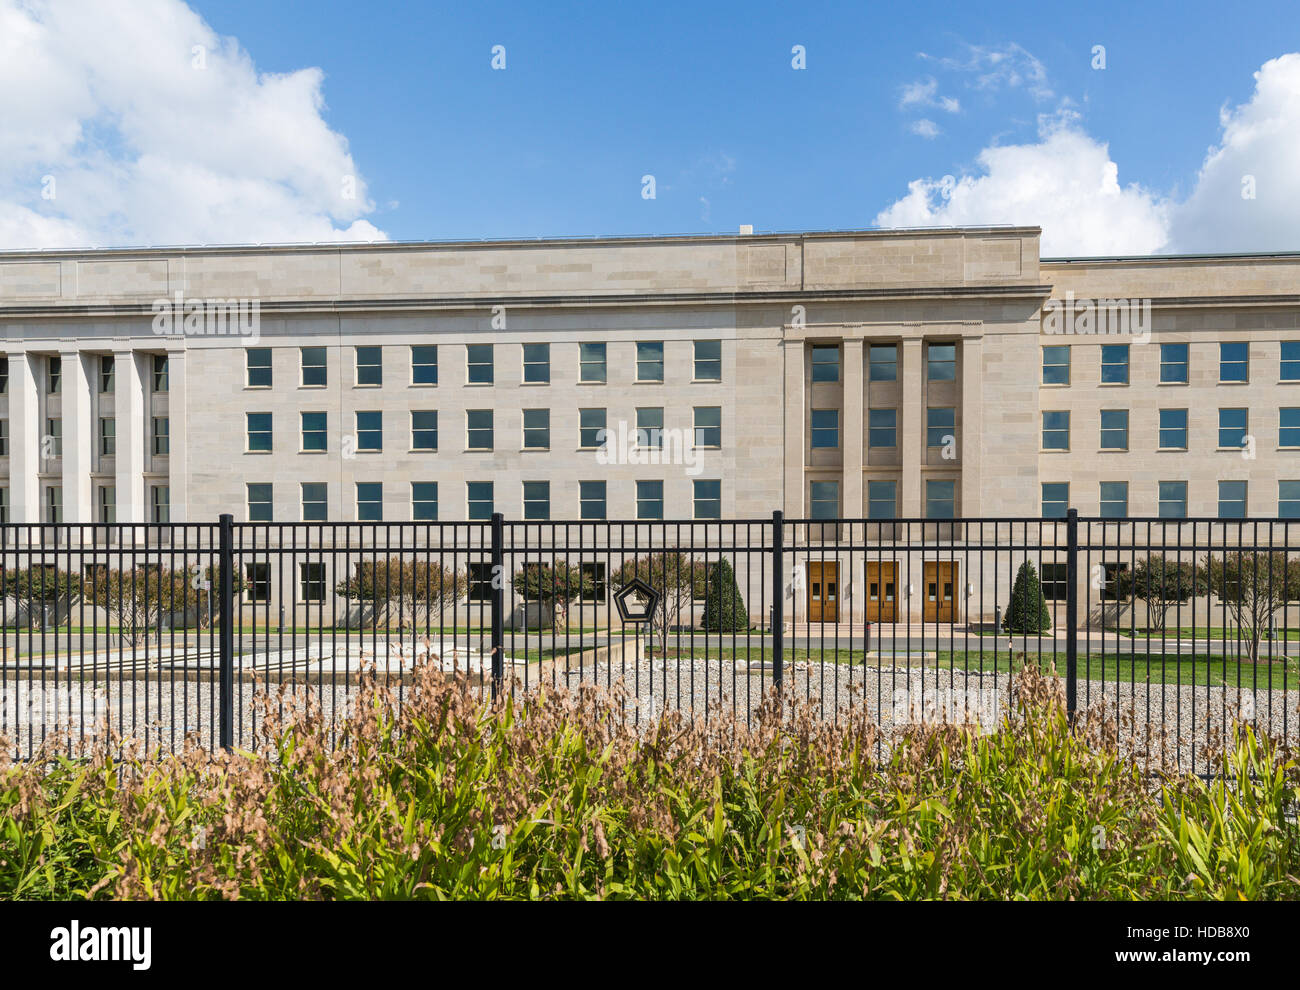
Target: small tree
139, 598
401, 588
1253, 587
1161, 583
676, 576
724, 608
39, 586
1027, 612
555, 586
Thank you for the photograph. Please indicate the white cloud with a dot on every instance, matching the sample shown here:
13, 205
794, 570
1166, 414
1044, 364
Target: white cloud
924, 128
924, 93
149, 142
1260, 139
993, 68
1067, 183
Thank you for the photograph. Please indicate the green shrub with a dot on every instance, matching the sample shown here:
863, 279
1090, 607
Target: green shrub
553, 796
724, 608
1027, 612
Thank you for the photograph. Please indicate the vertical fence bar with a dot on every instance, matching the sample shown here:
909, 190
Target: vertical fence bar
226, 587
778, 599
498, 603
1071, 610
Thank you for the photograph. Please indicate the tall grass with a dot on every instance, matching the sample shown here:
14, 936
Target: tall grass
553, 795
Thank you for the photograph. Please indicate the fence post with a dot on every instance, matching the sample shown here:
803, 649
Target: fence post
778, 599
1071, 610
225, 591
498, 603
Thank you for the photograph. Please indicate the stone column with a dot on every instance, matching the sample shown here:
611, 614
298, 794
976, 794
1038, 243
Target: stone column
911, 427
972, 405
79, 433
177, 467
132, 436
24, 440
796, 452
852, 430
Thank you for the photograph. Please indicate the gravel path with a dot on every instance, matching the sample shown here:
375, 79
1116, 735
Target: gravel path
1191, 716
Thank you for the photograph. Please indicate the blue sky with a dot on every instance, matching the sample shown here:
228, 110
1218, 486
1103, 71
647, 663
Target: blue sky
705, 99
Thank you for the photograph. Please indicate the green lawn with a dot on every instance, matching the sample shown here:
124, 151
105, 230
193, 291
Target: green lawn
1214, 632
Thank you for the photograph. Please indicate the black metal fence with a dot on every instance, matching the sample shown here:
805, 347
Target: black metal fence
1171, 628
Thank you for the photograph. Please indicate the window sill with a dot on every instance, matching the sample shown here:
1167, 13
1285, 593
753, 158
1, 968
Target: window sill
1054, 384
479, 384
1222, 382
706, 381
422, 450
380, 385
423, 385
1171, 450
313, 451
263, 452
534, 384
1113, 384
1174, 384
534, 450
247, 388
314, 386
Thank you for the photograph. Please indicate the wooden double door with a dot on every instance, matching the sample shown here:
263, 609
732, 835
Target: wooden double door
823, 591
940, 591
882, 591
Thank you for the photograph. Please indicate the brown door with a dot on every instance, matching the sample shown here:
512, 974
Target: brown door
882, 590
823, 591
940, 589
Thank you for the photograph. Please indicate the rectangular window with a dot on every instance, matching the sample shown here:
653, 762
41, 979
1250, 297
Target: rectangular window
1110, 572
882, 428
479, 430
882, 499
1232, 500
315, 501
595, 574
162, 503
424, 364
479, 497
707, 499
826, 428
54, 433
370, 430
1173, 500
1173, 364
480, 369
650, 361
259, 432
649, 499
1288, 429
537, 364
1056, 429
480, 582
940, 426
1288, 499
107, 436
313, 367
941, 362
1173, 429
259, 503
257, 367
1234, 362
1232, 428
826, 363
1114, 364
882, 363
591, 428
591, 499
824, 500
708, 360
424, 429
4, 378
708, 426
650, 426
106, 373
4, 505
1056, 365
311, 581
314, 430
55, 375
1290, 371
1054, 581
1114, 500
160, 373
591, 363
537, 429
4, 438
161, 436
940, 499
107, 504
537, 500
257, 581
424, 501
370, 366
54, 504
1114, 429
370, 501
1056, 499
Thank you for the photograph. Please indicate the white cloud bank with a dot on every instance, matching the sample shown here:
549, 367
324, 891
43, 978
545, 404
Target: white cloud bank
141, 139
1068, 184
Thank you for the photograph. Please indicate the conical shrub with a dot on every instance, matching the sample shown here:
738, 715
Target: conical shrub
1027, 612
724, 609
